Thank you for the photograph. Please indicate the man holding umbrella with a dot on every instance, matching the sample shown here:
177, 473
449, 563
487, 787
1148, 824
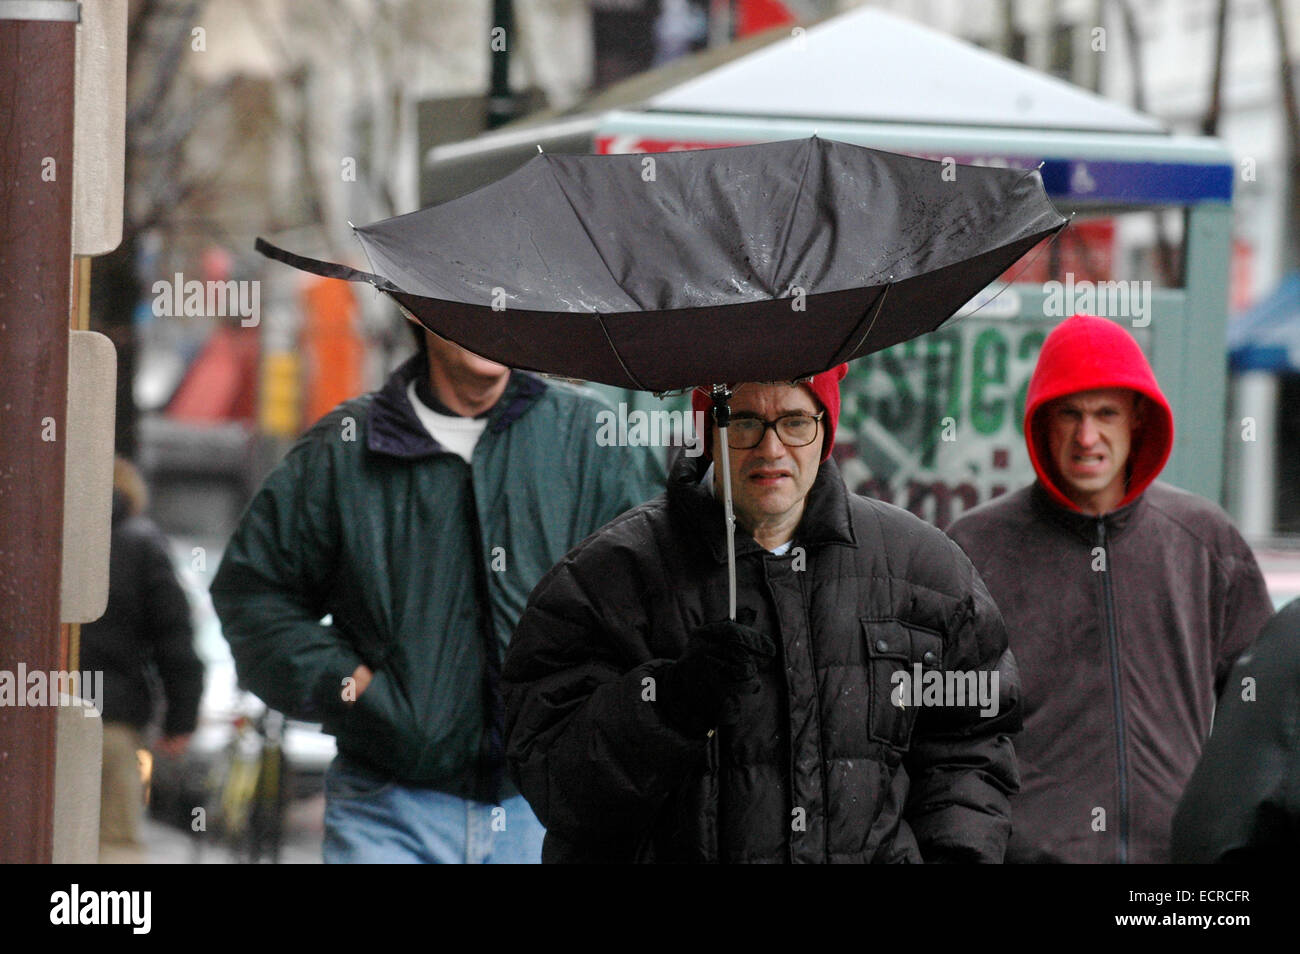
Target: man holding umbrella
644, 726
650, 719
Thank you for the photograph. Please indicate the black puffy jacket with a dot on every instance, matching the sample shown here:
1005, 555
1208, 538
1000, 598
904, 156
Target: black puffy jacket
1242, 804
822, 766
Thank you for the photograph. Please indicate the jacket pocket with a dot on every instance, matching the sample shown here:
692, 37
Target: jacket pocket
894, 650
380, 727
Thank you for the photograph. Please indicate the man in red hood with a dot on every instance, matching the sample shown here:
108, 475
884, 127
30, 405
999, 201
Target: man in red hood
1126, 603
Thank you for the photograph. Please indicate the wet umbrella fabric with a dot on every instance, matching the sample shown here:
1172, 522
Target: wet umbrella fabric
770, 262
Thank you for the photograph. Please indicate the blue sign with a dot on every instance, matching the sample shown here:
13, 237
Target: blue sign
1136, 183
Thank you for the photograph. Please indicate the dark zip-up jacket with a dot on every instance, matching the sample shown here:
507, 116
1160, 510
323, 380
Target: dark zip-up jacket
423, 562
1124, 625
822, 765
1124, 628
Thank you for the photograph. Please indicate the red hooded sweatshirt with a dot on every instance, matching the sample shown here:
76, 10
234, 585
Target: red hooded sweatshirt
1085, 353
1124, 625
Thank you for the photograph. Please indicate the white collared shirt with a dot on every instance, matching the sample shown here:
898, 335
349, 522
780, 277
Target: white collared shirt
457, 434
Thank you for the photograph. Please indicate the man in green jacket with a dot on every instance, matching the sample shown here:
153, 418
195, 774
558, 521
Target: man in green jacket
417, 519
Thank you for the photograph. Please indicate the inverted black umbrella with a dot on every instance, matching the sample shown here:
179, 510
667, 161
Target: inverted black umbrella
771, 262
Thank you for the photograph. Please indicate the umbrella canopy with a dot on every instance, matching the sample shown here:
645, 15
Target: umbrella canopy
770, 262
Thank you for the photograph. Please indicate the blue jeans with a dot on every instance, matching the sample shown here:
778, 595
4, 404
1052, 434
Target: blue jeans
372, 820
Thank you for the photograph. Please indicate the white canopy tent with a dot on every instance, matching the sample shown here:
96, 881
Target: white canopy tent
871, 66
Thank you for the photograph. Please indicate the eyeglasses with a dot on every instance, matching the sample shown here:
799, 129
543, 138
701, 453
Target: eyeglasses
793, 430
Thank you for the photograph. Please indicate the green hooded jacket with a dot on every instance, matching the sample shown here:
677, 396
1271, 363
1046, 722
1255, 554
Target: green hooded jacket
423, 564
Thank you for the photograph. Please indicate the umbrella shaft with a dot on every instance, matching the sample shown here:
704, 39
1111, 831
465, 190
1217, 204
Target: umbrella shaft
731, 524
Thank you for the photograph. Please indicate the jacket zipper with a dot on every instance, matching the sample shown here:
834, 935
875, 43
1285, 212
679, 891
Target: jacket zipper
491, 768
826, 784
779, 663
1112, 637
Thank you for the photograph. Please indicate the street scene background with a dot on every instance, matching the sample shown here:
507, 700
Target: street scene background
294, 121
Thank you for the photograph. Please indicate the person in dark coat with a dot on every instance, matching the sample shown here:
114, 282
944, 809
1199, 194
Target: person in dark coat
1242, 804
642, 725
143, 645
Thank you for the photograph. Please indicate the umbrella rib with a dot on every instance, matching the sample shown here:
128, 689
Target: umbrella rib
779, 257
1056, 233
322, 268
843, 355
618, 357
596, 248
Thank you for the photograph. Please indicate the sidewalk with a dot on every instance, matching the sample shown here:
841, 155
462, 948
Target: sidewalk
303, 834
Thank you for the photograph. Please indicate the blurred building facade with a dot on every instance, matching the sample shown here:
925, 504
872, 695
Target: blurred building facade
290, 121
293, 120
1159, 56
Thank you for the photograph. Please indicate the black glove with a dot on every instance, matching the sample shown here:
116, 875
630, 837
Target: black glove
721, 660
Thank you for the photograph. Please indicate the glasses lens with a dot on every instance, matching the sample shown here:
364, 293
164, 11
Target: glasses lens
796, 431
744, 433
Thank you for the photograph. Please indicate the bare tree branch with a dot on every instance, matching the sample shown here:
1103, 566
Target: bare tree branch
1167, 259
164, 72
1210, 125
1286, 74
138, 23
1133, 36
181, 124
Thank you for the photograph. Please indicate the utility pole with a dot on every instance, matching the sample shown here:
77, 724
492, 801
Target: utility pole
37, 91
501, 102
